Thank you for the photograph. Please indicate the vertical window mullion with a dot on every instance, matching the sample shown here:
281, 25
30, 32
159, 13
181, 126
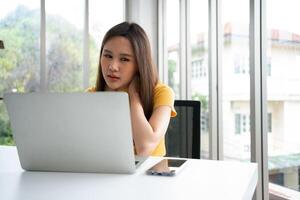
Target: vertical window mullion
214, 64
188, 51
162, 44
182, 49
258, 104
219, 88
124, 9
86, 62
43, 69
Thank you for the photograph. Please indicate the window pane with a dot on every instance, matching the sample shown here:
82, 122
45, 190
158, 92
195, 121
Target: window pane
237, 123
172, 9
5, 129
236, 80
283, 81
99, 12
199, 65
20, 31
64, 45
20, 60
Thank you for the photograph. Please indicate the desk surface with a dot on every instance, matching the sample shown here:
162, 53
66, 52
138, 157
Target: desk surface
200, 179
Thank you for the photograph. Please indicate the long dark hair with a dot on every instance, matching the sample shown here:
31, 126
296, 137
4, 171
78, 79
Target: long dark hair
146, 69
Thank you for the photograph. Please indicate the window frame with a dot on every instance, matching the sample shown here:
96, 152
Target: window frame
86, 55
257, 60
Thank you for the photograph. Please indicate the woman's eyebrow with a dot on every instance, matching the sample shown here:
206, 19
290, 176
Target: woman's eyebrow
121, 54
107, 51
125, 54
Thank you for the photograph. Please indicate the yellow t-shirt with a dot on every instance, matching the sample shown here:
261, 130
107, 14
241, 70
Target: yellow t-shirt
163, 96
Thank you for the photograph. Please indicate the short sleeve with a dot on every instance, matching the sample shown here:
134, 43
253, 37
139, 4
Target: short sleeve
164, 96
91, 89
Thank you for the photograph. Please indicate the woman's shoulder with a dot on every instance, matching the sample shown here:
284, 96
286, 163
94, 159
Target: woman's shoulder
91, 89
163, 88
164, 96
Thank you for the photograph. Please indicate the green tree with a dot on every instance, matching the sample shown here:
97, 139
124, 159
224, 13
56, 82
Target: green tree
20, 61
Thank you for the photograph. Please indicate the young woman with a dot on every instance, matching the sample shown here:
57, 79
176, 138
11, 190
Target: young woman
126, 64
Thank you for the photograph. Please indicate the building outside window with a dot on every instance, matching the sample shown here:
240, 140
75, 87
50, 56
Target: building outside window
199, 69
282, 67
283, 92
235, 80
198, 34
242, 123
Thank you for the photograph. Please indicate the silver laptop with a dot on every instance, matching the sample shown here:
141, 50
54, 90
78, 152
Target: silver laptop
73, 132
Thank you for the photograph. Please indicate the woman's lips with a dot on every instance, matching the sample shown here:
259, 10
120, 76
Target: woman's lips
112, 77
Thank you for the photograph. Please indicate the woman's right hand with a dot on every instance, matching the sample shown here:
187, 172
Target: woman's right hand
134, 86
133, 91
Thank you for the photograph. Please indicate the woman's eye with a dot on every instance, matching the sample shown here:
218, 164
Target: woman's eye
107, 56
124, 59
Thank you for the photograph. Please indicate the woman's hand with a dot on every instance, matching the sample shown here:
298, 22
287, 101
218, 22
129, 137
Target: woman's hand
133, 90
134, 86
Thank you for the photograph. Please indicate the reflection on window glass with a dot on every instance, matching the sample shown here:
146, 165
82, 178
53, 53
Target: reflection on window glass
64, 43
283, 92
19, 61
199, 65
236, 80
99, 12
172, 27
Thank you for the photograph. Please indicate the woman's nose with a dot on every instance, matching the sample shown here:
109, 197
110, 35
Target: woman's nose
113, 67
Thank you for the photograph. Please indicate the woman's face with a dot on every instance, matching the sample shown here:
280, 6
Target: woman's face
118, 63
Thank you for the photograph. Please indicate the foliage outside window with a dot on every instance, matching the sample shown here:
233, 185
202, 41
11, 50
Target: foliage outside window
20, 60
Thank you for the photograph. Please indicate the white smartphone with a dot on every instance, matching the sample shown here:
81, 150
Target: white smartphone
167, 167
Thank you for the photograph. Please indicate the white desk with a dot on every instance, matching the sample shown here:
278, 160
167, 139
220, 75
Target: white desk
200, 179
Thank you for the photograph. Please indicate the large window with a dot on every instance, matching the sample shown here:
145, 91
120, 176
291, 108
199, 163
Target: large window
20, 31
283, 49
236, 79
187, 39
64, 45
173, 45
282, 69
199, 76
99, 12
282, 72
20, 60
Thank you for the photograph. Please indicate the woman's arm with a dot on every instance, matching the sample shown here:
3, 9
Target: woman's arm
147, 134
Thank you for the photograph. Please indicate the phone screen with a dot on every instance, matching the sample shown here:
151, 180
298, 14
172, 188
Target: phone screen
175, 162
166, 167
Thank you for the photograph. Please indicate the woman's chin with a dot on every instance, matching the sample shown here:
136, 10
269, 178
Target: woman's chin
113, 87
